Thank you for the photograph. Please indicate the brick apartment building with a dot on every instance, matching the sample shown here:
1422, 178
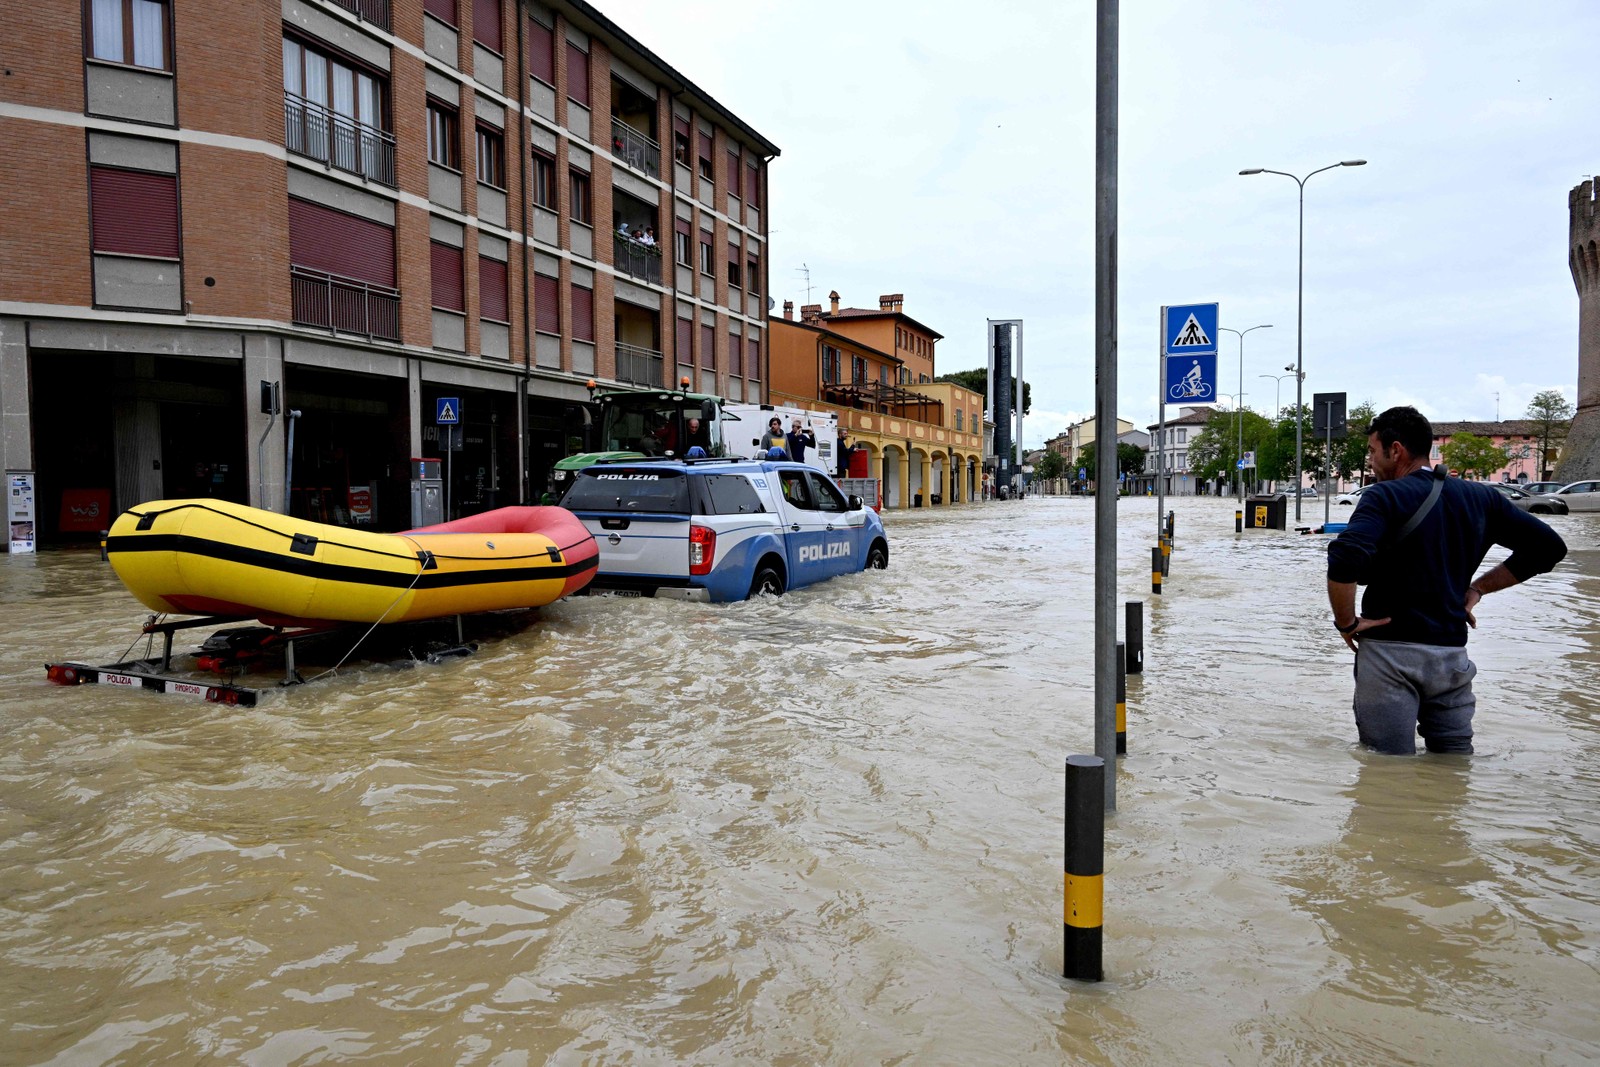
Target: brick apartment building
874, 368
375, 204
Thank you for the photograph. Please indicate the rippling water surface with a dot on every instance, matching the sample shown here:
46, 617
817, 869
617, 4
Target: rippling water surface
819, 829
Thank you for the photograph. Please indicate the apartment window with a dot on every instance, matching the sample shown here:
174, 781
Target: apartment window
708, 347
442, 140
705, 156
734, 270
445, 263
493, 290
752, 185
491, 157
830, 364
680, 139
1183, 436
134, 213
577, 75
582, 210
541, 52
1183, 461
544, 180
706, 267
858, 368
582, 313
685, 339
336, 112
680, 245
752, 276
735, 346
546, 304
444, 10
752, 368
486, 24
733, 171
134, 32
958, 419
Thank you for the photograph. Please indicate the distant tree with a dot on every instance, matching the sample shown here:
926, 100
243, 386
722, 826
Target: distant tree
1473, 455
1553, 412
1086, 462
1130, 458
1050, 466
978, 382
1351, 453
1214, 451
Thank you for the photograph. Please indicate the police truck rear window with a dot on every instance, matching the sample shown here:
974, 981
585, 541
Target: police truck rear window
628, 489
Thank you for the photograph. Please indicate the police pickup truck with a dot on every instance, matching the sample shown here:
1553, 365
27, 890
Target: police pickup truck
721, 529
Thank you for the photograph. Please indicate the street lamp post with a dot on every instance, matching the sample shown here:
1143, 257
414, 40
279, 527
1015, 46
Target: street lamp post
1277, 396
1237, 400
1239, 417
1300, 292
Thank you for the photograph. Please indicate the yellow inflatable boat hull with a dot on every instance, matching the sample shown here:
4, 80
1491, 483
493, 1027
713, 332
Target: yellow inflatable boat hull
212, 557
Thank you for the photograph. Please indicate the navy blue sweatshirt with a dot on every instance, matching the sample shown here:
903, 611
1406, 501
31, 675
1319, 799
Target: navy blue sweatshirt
1421, 582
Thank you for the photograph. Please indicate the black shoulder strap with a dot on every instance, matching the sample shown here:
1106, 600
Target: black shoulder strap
1440, 473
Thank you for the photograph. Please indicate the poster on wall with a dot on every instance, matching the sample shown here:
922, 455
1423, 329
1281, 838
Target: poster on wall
19, 510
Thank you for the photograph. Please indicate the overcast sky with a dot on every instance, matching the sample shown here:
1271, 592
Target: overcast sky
946, 151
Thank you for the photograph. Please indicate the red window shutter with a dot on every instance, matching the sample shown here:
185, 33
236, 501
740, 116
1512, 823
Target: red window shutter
705, 146
582, 313
321, 238
753, 359
577, 74
493, 292
541, 52
685, 340
486, 24
547, 304
708, 347
681, 125
134, 212
443, 9
682, 226
752, 186
734, 345
445, 266
733, 172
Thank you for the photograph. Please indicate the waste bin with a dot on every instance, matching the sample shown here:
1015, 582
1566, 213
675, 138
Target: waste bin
1267, 512
427, 493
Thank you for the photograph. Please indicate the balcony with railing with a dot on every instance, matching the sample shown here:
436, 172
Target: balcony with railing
640, 366
637, 258
373, 11
316, 131
344, 305
635, 149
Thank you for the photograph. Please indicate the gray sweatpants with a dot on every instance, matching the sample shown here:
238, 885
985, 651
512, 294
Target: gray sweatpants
1403, 690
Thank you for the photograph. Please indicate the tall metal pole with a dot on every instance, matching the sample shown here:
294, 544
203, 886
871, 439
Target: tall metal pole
1239, 406
1161, 424
1105, 395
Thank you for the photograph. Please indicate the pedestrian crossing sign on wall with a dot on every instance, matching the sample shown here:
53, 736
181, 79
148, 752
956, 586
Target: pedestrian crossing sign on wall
1189, 330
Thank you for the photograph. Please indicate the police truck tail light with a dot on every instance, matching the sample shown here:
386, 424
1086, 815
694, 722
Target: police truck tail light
702, 549
62, 675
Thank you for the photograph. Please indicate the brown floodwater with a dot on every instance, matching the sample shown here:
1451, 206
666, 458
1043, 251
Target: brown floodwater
825, 828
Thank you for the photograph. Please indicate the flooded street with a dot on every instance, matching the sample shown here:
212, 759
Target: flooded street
825, 828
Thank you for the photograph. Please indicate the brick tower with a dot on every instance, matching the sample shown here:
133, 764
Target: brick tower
1580, 458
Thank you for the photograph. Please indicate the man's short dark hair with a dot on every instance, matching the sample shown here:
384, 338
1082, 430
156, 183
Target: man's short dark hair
1406, 425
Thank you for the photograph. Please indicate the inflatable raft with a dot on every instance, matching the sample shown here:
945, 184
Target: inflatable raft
211, 557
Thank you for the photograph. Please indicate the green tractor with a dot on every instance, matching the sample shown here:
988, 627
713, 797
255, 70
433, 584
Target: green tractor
636, 423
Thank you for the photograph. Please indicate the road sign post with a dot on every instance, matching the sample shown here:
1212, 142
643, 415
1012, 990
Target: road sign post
1189, 354
447, 414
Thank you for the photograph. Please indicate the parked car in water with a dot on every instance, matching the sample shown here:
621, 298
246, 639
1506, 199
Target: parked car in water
1580, 496
1537, 488
1351, 497
1539, 505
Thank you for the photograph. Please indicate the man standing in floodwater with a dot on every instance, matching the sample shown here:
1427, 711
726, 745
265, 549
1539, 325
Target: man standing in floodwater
1414, 541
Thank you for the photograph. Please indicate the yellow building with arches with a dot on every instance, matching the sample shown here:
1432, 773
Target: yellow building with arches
874, 369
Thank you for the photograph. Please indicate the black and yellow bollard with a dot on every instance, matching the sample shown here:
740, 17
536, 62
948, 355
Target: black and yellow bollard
1238, 522
1155, 570
1085, 868
1122, 701
103, 535
1166, 556
1133, 636
1172, 525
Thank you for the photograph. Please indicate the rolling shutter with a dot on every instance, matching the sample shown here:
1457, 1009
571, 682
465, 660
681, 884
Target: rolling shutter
486, 24
547, 304
134, 212
733, 172
442, 9
685, 341
577, 74
752, 185
708, 347
582, 313
445, 261
753, 359
492, 290
351, 247
541, 52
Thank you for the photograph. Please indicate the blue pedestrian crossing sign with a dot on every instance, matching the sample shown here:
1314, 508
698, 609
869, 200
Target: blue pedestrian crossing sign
449, 411
1189, 330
